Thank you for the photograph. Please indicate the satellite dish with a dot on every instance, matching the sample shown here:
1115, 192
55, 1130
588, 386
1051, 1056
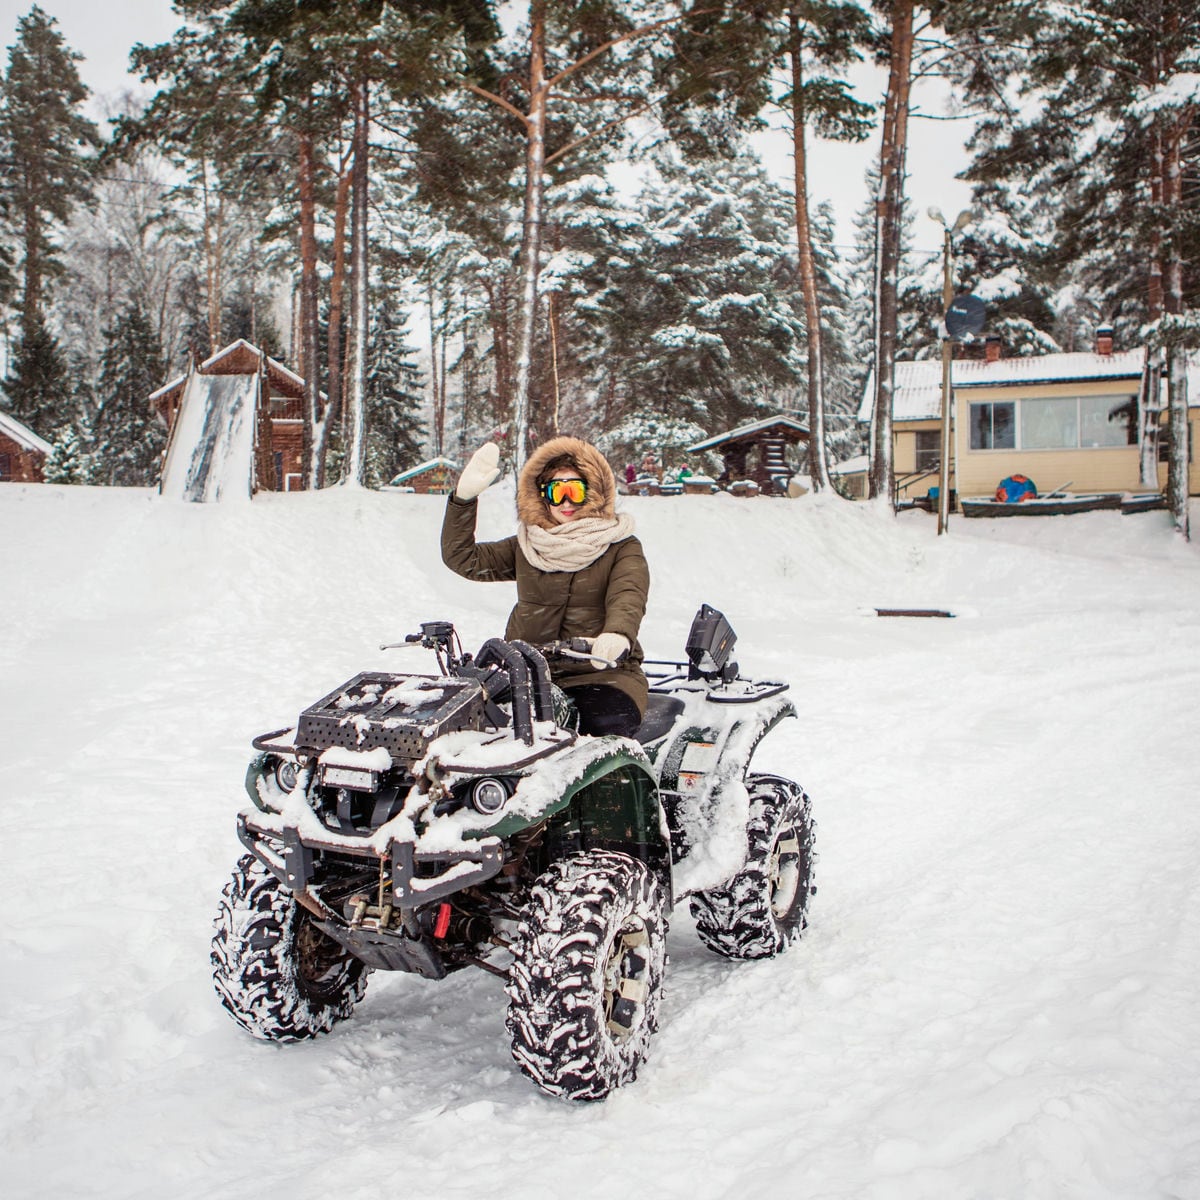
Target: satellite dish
965, 316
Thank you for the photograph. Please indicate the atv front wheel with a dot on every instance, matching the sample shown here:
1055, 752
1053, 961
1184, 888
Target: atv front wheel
764, 907
279, 976
587, 975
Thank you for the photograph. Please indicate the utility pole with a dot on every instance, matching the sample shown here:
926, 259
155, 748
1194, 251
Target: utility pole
947, 442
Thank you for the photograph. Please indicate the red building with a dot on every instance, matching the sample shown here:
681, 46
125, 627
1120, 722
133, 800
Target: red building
22, 453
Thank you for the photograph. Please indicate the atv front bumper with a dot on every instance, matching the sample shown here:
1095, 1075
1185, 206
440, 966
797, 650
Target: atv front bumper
417, 877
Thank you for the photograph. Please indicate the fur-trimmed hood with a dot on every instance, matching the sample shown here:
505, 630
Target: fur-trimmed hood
581, 456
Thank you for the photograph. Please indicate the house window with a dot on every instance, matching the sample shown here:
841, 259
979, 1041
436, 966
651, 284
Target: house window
1055, 423
6, 466
929, 449
1049, 424
993, 426
1107, 421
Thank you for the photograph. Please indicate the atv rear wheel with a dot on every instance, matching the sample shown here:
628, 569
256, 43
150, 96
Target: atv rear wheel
764, 907
279, 976
587, 975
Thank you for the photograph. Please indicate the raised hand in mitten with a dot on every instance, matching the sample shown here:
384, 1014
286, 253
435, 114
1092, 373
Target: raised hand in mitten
480, 473
608, 649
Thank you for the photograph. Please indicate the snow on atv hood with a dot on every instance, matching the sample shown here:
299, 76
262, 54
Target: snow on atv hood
378, 760
455, 757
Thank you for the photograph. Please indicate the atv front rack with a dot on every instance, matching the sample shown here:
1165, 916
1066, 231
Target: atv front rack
416, 878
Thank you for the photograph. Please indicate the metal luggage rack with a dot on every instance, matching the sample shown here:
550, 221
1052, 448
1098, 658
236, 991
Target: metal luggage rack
360, 716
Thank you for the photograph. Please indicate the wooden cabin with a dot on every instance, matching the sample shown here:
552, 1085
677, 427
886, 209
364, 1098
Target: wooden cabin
436, 477
279, 420
22, 453
757, 453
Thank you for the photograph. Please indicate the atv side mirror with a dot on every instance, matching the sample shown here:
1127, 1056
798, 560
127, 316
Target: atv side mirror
710, 643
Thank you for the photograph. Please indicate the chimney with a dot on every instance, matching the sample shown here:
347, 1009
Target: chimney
1104, 339
991, 348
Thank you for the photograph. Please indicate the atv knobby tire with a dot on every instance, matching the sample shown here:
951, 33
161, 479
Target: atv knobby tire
764, 907
587, 975
280, 977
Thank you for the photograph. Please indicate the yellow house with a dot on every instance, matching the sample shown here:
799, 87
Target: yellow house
1063, 420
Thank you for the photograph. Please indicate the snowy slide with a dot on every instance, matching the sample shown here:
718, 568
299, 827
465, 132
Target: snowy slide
211, 455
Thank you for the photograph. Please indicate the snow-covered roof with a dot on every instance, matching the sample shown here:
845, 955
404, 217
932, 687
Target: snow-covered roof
22, 434
918, 393
177, 382
852, 466
242, 344
422, 468
749, 430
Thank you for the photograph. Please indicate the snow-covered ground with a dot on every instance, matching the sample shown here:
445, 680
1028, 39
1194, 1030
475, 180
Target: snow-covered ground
997, 994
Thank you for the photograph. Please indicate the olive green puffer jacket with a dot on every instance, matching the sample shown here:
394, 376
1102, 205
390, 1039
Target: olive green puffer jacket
609, 595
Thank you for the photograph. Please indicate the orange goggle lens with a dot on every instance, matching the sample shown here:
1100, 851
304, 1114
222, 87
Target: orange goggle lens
557, 491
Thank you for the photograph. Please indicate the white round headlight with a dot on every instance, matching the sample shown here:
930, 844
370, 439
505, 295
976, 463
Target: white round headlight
286, 770
488, 796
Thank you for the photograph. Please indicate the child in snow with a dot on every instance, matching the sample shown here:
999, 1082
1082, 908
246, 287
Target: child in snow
579, 571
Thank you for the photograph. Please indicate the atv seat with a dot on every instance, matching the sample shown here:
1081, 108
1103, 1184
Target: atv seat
661, 711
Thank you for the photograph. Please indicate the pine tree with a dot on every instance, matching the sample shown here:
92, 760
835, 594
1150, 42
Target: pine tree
701, 321
38, 385
393, 397
73, 458
44, 140
129, 440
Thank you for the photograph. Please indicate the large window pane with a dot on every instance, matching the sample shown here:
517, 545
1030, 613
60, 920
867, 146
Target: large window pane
992, 427
1050, 424
929, 449
1004, 426
1108, 421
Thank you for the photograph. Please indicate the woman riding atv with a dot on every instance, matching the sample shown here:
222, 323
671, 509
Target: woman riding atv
579, 571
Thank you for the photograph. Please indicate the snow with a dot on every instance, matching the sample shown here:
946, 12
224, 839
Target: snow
211, 452
996, 995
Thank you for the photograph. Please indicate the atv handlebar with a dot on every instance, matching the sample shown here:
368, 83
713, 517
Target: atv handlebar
578, 648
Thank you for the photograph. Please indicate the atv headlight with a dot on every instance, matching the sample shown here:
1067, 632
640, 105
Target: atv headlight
286, 771
488, 796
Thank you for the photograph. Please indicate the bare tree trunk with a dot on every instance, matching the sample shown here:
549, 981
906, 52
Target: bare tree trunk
31, 305
212, 263
531, 239
337, 280
818, 466
1177, 463
889, 210
353, 470
1177, 383
314, 424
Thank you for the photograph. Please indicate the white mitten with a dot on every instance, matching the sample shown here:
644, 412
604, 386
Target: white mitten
609, 648
480, 473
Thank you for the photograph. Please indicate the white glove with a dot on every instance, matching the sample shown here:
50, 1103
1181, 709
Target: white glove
608, 649
480, 473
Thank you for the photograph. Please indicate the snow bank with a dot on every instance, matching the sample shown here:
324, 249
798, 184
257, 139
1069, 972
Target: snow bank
996, 996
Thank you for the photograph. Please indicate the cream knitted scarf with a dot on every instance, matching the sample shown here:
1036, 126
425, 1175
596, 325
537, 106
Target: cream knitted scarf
572, 546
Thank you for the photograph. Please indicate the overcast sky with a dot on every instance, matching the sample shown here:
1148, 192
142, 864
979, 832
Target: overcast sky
104, 33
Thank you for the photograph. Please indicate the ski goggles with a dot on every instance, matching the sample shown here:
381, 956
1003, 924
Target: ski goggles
559, 491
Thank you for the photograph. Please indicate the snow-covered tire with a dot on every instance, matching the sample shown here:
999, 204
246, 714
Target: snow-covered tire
764, 907
278, 975
587, 974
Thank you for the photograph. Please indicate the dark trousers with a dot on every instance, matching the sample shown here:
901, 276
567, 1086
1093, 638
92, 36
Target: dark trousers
605, 709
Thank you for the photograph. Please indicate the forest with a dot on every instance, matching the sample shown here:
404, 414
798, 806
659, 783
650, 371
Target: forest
415, 206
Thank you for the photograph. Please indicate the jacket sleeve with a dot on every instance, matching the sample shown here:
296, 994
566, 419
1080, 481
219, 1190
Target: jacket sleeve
628, 588
482, 561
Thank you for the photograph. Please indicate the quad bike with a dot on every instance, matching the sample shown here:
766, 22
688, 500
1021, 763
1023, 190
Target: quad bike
428, 823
